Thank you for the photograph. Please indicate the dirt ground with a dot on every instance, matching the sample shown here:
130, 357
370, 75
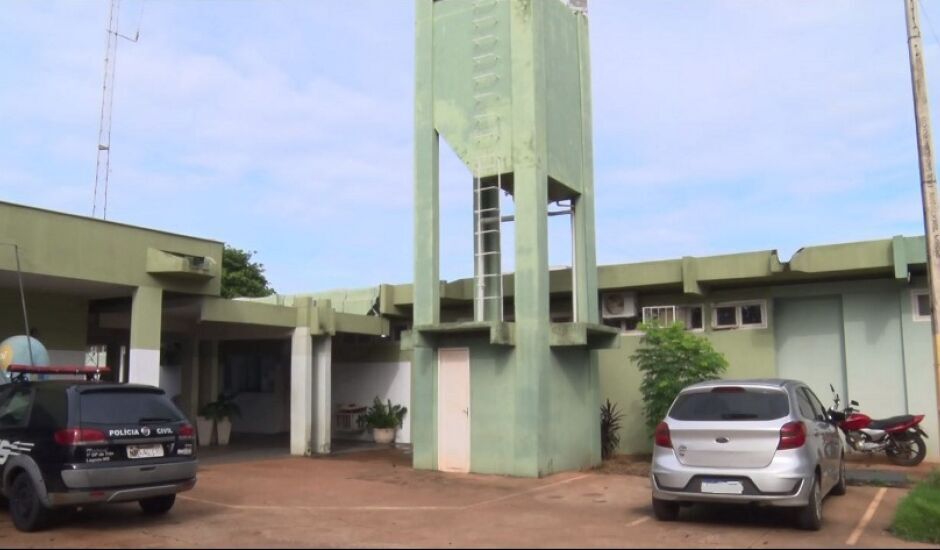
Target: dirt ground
375, 499
630, 465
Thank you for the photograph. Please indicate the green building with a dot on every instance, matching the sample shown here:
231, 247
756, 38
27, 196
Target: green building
502, 373
854, 315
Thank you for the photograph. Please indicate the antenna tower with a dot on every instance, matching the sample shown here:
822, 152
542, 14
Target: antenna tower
103, 163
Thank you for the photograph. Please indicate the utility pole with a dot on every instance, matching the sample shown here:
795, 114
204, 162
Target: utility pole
928, 176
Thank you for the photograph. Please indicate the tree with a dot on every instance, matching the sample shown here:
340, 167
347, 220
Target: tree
242, 277
670, 359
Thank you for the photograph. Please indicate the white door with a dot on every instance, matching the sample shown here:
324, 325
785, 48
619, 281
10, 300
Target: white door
453, 410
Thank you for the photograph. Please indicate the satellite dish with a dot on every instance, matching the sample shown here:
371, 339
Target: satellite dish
21, 350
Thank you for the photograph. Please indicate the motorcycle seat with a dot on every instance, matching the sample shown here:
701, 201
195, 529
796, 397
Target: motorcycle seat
885, 423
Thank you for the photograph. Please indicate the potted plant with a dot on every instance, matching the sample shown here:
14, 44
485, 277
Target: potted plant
205, 423
222, 411
384, 420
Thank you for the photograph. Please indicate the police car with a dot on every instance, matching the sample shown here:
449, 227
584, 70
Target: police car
71, 443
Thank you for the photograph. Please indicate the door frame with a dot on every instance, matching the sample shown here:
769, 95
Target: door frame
465, 351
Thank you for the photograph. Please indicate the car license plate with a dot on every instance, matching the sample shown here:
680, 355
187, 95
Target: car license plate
144, 451
722, 487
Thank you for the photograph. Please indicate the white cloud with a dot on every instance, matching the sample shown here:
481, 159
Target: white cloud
285, 127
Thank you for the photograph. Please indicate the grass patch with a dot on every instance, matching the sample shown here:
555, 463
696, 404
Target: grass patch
917, 517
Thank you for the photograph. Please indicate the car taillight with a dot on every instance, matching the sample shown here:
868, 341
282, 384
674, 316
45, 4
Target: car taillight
662, 437
792, 436
79, 436
186, 431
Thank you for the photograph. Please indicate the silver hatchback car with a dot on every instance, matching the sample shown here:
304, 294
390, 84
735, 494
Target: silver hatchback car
766, 442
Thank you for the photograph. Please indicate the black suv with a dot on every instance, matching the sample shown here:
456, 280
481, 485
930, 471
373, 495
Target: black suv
69, 443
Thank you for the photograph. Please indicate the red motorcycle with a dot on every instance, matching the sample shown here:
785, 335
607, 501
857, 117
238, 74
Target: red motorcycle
899, 437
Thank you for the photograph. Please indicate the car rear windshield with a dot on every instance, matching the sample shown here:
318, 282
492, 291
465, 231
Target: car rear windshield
117, 407
731, 404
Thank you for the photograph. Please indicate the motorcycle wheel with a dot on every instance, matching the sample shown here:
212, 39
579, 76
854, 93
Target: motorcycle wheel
909, 451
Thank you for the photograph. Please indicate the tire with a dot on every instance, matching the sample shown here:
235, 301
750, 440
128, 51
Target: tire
839, 488
916, 447
665, 510
26, 509
809, 517
157, 505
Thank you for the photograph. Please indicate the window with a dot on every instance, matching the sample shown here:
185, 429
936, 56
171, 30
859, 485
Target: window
690, 316
252, 366
726, 316
806, 408
664, 315
816, 403
740, 315
752, 314
732, 403
14, 407
126, 407
920, 303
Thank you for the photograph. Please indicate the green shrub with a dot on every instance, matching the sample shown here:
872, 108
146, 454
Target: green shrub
918, 515
220, 409
610, 426
670, 359
380, 415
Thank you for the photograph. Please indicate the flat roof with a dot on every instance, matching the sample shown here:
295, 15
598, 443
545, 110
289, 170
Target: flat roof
109, 222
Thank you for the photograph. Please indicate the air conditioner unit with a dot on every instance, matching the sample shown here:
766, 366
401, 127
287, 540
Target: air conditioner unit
618, 305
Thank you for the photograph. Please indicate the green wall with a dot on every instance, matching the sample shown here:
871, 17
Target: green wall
814, 349
865, 328
75, 247
492, 406
750, 354
569, 421
919, 381
567, 438
62, 321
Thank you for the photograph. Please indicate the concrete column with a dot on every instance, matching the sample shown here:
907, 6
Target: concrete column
301, 392
584, 288
323, 399
208, 372
530, 189
423, 412
427, 288
146, 319
189, 391
113, 360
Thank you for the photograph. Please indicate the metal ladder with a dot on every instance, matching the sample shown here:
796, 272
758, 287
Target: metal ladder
487, 261
487, 193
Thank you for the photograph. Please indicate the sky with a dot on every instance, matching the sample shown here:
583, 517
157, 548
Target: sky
285, 127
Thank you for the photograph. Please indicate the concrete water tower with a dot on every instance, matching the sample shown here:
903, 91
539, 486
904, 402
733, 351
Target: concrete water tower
507, 84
